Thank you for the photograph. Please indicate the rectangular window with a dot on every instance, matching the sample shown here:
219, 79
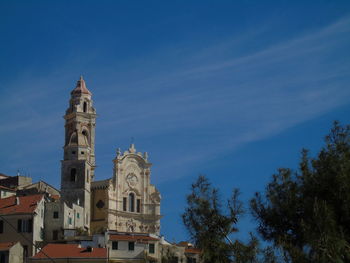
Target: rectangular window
151, 248
78, 215
69, 220
131, 246
138, 206
1, 226
30, 226
25, 226
124, 203
55, 235
55, 214
19, 225
115, 245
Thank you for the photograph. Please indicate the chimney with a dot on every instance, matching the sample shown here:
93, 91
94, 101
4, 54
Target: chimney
17, 200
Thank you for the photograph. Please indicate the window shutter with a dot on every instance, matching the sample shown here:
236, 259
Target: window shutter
30, 225
19, 225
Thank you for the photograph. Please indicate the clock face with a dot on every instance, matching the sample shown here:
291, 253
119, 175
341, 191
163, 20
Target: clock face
131, 179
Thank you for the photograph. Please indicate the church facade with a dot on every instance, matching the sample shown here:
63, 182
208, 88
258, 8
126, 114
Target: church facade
126, 202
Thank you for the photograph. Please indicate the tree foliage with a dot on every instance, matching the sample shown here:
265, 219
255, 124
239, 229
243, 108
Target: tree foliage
207, 223
306, 212
210, 223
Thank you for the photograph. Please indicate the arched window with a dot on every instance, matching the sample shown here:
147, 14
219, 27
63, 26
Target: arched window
131, 202
85, 106
73, 175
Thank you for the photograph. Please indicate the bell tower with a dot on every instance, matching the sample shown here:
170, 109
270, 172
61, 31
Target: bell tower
78, 164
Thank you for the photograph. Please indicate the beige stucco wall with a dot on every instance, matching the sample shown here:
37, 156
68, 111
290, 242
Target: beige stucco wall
99, 219
16, 253
5, 193
64, 212
140, 252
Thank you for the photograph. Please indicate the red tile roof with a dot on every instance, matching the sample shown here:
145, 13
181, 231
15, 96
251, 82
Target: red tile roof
70, 251
6, 245
55, 197
138, 238
192, 250
81, 87
27, 204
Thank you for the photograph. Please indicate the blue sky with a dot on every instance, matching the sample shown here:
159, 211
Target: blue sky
230, 89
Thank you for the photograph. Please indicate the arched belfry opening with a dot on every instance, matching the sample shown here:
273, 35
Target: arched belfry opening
73, 175
85, 106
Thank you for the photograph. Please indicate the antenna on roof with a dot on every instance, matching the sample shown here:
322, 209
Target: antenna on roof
18, 174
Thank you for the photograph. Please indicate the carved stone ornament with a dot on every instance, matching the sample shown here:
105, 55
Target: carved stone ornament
132, 180
130, 224
155, 197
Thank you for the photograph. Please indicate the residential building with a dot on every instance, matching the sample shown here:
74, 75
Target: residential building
63, 222
6, 192
138, 248
22, 219
37, 188
14, 182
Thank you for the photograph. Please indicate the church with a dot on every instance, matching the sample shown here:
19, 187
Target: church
87, 220
126, 202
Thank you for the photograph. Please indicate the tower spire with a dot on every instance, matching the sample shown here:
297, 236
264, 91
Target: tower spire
80, 87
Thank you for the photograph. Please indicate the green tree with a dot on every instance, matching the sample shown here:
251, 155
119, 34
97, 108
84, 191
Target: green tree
306, 212
210, 223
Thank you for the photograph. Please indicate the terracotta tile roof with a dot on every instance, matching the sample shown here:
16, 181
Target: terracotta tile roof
27, 204
184, 244
138, 238
70, 251
81, 87
6, 245
7, 189
55, 197
192, 250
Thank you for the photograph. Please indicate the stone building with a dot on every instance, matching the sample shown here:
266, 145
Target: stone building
63, 223
113, 220
11, 252
6, 192
22, 219
127, 202
78, 164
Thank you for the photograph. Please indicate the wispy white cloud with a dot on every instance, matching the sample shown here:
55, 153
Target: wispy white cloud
199, 105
